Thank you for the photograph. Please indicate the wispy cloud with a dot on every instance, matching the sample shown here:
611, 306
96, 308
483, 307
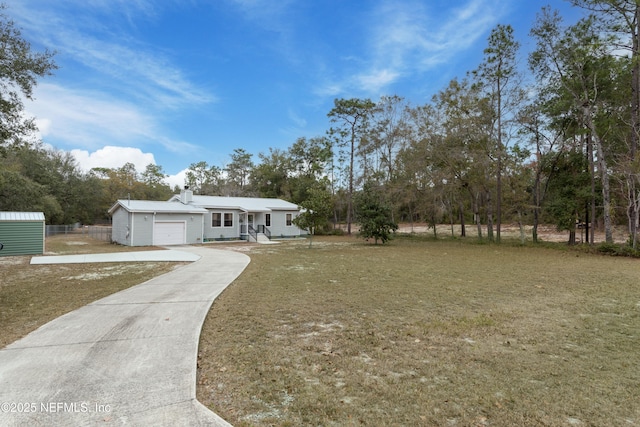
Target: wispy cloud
92, 120
377, 79
268, 14
124, 87
77, 34
411, 38
300, 122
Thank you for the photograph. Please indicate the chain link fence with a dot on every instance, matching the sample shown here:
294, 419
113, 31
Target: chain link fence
99, 232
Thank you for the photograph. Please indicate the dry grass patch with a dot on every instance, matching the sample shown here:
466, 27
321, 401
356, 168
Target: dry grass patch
424, 333
32, 295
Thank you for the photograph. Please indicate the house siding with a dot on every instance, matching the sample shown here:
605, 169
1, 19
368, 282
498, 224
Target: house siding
279, 227
222, 232
142, 228
121, 227
22, 237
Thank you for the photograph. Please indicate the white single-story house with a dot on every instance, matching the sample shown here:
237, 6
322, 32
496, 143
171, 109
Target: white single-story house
188, 219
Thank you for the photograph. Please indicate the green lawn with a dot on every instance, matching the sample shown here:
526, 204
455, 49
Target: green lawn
421, 332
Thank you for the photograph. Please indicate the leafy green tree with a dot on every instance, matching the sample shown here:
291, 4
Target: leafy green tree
271, 176
568, 190
621, 19
239, 173
389, 132
576, 63
118, 183
352, 118
20, 69
373, 214
204, 179
460, 148
311, 157
499, 77
153, 177
315, 212
310, 160
34, 178
18, 192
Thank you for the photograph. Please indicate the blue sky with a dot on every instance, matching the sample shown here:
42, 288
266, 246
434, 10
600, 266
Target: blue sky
175, 82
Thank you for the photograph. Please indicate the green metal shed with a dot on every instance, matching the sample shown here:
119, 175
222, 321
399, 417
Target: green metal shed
21, 233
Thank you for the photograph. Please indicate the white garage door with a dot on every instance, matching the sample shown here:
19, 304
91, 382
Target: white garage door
169, 233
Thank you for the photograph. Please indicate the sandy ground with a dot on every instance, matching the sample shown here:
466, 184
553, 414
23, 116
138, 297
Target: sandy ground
545, 232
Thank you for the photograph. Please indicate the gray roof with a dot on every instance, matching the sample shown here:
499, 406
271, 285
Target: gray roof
248, 204
21, 216
155, 206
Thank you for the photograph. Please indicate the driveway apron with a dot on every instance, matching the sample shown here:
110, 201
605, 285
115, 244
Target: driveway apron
127, 359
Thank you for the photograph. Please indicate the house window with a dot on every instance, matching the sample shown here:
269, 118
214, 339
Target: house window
267, 220
228, 220
216, 219
288, 219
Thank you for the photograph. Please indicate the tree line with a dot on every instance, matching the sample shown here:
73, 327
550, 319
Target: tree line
552, 142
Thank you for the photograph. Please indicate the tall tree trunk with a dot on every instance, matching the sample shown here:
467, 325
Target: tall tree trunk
499, 164
635, 85
350, 193
521, 227
476, 213
602, 166
592, 172
634, 211
463, 231
450, 209
606, 195
536, 205
537, 190
499, 194
489, 216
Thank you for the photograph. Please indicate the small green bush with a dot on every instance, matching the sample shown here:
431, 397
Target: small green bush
618, 250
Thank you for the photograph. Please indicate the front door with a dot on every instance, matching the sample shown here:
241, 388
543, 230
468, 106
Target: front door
250, 220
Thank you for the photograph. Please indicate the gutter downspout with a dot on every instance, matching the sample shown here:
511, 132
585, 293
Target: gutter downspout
202, 228
133, 221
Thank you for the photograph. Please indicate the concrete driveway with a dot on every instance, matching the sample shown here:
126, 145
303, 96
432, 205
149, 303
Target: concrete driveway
127, 359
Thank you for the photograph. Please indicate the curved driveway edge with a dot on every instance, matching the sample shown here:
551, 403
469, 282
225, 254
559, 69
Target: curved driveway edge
139, 256
127, 359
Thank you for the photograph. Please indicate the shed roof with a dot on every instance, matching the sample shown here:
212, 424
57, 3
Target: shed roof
21, 216
248, 204
156, 206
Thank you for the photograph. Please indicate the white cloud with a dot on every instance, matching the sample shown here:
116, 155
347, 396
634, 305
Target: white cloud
93, 119
113, 157
413, 37
177, 179
377, 79
329, 89
87, 119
